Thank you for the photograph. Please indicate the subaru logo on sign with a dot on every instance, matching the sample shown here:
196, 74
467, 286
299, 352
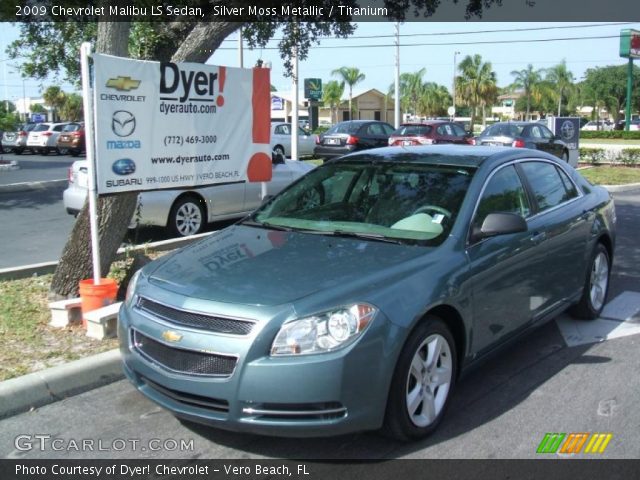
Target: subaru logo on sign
123, 123
124, 166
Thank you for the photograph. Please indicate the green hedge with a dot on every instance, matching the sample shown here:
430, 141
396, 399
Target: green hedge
627, 156
621, 134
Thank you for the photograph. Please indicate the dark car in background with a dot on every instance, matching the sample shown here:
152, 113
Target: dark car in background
430, 133
16, 142
532, 135
71, 139
350, 136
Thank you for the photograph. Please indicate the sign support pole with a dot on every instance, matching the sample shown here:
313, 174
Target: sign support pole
627, 111
87, 94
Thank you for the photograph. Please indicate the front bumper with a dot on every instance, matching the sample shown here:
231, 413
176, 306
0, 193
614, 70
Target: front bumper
313, 395
73, 199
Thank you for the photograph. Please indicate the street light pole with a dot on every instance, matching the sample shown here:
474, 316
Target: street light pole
455, 57
396, 107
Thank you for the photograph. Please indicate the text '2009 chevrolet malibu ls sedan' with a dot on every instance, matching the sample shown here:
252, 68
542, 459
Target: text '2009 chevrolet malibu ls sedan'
355, 298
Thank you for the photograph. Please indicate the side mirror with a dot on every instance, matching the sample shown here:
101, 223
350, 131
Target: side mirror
277, 158
499, 224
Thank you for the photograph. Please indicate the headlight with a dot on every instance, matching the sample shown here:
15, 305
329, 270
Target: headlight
131, 288
324, 332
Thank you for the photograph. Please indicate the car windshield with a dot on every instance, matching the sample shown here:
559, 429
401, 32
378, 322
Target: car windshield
42, 127
394, 201
413, 130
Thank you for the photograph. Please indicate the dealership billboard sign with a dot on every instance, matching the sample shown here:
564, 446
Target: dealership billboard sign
630, 43
166, 125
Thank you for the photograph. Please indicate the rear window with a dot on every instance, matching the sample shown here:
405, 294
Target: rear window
28, 127
42, 127
413, 130
72, 127
344, 127
504, 130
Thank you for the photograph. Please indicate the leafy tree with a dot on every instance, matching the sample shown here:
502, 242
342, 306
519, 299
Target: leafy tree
54, 97
9, 119
562, 79
351, 76
37, 108
608, 86
527, 79
332, 96
476, 85
72, 108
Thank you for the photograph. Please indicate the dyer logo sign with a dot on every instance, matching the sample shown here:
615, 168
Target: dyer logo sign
142, 142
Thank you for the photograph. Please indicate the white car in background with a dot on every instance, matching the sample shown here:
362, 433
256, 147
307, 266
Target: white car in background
281, 140
599, 125
187, 211
43, 138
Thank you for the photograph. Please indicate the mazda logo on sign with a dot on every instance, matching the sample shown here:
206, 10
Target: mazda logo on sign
567, 130
123, 123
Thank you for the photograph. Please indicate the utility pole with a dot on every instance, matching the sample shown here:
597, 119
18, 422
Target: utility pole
455, 57
240, 52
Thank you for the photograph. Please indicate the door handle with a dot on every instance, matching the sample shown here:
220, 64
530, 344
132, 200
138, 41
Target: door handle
538, 237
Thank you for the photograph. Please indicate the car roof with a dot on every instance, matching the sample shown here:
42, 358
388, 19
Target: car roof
454, 155
426, 122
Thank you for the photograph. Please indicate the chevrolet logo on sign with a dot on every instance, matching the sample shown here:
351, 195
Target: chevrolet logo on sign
171, 336
123, 84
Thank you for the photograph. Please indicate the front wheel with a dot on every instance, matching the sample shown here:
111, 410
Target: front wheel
422, 383
187, 217
596, 286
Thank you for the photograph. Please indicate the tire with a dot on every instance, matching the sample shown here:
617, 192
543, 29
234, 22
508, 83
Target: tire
596, 286
63, 151
279, 149
408, 416
187, 217
44, 151
17, 151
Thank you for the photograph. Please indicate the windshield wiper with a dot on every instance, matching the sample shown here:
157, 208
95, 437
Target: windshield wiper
270, 226
378, 237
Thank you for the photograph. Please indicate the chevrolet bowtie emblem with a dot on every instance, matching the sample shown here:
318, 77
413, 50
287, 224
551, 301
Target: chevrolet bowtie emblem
123, 83
171, 336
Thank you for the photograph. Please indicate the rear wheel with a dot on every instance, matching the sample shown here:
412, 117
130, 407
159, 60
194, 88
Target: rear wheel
279, 149
187, 216
422, 383
596, 286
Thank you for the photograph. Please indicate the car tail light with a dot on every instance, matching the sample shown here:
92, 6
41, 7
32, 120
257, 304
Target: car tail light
351, 140
519, 143
76, 134
318, 140
46, 134
471, 141
426, 141
70, 173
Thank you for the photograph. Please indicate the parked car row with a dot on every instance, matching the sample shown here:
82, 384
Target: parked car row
350, 136
45, 138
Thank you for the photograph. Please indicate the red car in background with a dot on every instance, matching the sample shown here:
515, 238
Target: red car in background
429, 133
71, 139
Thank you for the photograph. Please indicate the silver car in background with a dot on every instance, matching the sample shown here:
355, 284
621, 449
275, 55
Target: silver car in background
44, 137
187, 211
281, 140
16, 142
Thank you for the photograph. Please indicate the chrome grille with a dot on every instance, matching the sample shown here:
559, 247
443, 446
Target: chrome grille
183, 361
192, 319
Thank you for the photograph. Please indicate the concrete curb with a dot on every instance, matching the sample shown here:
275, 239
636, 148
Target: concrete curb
622, 188
25, 271
12, 165
36, 389
27, 186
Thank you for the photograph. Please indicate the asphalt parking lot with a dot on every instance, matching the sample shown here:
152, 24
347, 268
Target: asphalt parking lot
566, 377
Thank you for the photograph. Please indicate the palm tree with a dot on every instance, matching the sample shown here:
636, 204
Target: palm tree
477, 85
411, 89
351, 76
562, 79
528, 80
434, 100
331, 96
54, 97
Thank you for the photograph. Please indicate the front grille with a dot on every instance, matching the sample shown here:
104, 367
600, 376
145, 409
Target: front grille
183, 361
189, 398
197, 320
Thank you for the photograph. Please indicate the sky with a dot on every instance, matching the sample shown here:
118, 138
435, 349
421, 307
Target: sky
429, 45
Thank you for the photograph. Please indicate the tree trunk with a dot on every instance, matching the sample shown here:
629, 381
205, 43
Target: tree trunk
115, 212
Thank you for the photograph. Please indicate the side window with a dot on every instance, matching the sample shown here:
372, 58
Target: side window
503, 194
457, 130
279, 130
535, 132
375, 129
388, 129
441, 130
546, 133
572, 192
547, 185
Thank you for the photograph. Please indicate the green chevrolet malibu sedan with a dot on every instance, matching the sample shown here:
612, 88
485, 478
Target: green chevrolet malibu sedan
356, 298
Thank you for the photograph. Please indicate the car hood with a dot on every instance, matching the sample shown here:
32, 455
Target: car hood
253, 266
